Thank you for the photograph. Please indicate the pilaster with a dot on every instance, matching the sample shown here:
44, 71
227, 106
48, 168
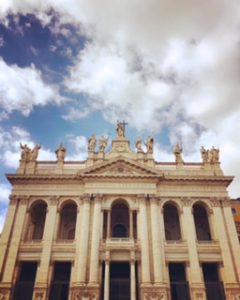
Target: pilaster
229, 275
156, 243
95, 242
42, 277
7, 230
144, 240
15, 240
82, 236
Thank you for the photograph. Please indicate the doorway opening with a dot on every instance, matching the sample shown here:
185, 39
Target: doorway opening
178, 282
119, 281
60, 282
25, 282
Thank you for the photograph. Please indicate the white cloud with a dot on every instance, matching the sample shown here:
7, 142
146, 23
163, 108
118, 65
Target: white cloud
10, 146
155, 63
79, 146
23, 88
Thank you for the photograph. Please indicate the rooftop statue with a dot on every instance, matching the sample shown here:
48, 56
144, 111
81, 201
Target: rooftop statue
60, 153
25, 154
178, 153
29, 155
210, 155
103, 143
138, 145
34, 153
121, 129
149, 144
92, 143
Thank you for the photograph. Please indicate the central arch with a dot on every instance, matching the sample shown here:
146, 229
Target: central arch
120, 219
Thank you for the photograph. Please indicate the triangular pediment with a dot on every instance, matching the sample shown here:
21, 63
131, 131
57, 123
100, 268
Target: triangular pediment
119, 166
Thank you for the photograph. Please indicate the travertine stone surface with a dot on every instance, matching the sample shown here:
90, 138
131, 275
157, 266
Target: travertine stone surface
139, 188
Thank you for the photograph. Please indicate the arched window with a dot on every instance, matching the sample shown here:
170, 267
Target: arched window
120, 220
201, 222
36, 223
171, 222
68, 217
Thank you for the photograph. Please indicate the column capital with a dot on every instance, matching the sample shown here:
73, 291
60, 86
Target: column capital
85, 198
187, 201
141, 197
54, 200
13, 199
98, 197
24, 199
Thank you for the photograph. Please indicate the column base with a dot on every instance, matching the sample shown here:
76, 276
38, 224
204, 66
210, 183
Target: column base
5, 290
84, 293
40, 292
154, 292
197, 291
232, 291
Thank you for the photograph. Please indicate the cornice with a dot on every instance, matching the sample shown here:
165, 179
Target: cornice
226, 180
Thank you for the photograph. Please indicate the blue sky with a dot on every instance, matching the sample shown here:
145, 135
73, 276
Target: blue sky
72, 68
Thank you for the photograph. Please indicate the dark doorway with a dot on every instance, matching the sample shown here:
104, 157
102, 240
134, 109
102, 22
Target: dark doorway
178, 282
60, 282
214, 287
25, 283
119, 281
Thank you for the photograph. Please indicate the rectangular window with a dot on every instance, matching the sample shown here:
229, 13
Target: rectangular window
214, 287
60, 282
25, 282
178, 282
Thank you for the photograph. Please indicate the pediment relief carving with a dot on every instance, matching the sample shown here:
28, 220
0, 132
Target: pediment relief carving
120, 167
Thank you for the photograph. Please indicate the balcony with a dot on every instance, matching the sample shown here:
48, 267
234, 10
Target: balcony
209, 250
176, 250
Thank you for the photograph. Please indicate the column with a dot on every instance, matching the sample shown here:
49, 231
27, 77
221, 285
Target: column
8, 228
156, 243
75, 266
107, 277
82, 236
15, 241
144, 240
132, 277
108, 224
95, 242
220, 229
189, 233
232, 234
47, 241
131, 224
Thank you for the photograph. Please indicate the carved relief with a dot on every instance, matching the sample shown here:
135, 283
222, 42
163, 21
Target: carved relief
154, 296
39, 296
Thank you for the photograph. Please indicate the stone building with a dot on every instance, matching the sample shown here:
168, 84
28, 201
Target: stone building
119, 226
235, 204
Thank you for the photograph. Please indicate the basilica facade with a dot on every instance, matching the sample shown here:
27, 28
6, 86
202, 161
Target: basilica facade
119, 226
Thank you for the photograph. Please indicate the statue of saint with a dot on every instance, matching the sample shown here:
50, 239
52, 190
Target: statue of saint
204, 154
92, 143
178, 153
149, 144
60, 153
103, 143
138, 145
120, 129
34, 153
214, 155
25, 154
